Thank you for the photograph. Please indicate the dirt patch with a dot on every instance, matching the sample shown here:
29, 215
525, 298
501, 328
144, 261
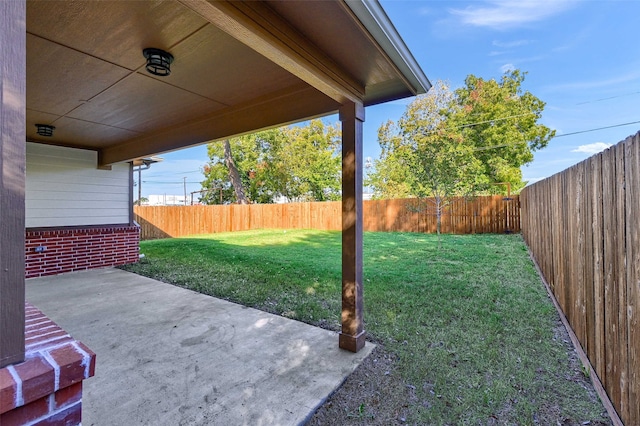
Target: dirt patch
374, 394
552, 414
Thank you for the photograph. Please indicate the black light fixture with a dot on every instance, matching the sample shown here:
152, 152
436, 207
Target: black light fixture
44, 130
158, 61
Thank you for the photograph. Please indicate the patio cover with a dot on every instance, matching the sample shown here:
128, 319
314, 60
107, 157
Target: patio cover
239, 67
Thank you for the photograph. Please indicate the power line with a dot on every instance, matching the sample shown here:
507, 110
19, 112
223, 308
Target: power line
168, 182
529, 113
493, 120
599, 128
171, 174
609, 98
559, 136
564, 134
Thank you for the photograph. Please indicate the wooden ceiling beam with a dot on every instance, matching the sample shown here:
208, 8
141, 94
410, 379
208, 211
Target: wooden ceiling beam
284, 107
260, 28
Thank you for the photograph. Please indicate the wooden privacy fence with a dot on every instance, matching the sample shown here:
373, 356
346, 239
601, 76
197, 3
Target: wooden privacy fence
492, 214
582, 226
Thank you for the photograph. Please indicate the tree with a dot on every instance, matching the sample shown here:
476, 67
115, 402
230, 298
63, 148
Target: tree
301, 163
449, 145
437, 162
250, 156
392, 176
500, 121
141, 201
494, 120
234, 175
309, 162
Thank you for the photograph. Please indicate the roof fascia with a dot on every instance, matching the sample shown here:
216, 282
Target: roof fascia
377, 22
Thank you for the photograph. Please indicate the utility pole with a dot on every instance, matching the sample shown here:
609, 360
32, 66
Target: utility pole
139, 165
184, 179
139, 185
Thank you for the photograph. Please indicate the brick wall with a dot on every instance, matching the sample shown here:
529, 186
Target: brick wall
45, 389
50, 251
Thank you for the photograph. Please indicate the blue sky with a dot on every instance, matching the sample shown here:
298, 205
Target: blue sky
582, 59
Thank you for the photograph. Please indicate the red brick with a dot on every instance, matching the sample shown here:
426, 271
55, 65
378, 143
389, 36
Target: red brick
44, 345
43, 334
37, 377
70, 362
34, 266
32, 310
92, 355
71, 416
27, 413
34, 329
7, 391
67, 396
35, 318
66, 256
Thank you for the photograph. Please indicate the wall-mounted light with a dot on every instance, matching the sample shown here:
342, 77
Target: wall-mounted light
158, 61
44, 130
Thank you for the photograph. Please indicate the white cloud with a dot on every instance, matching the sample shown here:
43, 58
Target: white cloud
504, 14
592, 148
510, 44
530, 59
507, 68
630, 76
517, 62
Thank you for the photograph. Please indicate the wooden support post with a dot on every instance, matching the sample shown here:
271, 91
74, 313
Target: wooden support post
352, 337
12, 179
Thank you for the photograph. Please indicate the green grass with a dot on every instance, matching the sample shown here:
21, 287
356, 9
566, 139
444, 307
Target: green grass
471, 325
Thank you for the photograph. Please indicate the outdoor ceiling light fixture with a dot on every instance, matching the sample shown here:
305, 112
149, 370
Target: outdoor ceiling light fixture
158, 61
44, 130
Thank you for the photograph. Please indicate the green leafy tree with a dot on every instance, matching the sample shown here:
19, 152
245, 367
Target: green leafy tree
431, 161
308, 163
500, 121
495, 122
451, 145
141, 201
251, 159
392, 176
300, 163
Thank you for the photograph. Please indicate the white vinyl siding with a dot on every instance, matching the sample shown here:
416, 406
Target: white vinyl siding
64, 187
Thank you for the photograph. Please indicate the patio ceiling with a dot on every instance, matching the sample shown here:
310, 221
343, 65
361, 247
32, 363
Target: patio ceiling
239, 67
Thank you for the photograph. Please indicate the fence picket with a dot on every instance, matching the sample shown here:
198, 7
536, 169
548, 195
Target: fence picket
632, 185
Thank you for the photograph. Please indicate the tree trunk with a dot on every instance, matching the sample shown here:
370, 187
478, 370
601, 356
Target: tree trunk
439, 220
234, 176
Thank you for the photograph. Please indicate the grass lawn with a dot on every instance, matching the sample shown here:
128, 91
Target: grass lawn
470, 330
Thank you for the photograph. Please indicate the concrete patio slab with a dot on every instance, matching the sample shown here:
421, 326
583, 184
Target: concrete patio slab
170, 356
